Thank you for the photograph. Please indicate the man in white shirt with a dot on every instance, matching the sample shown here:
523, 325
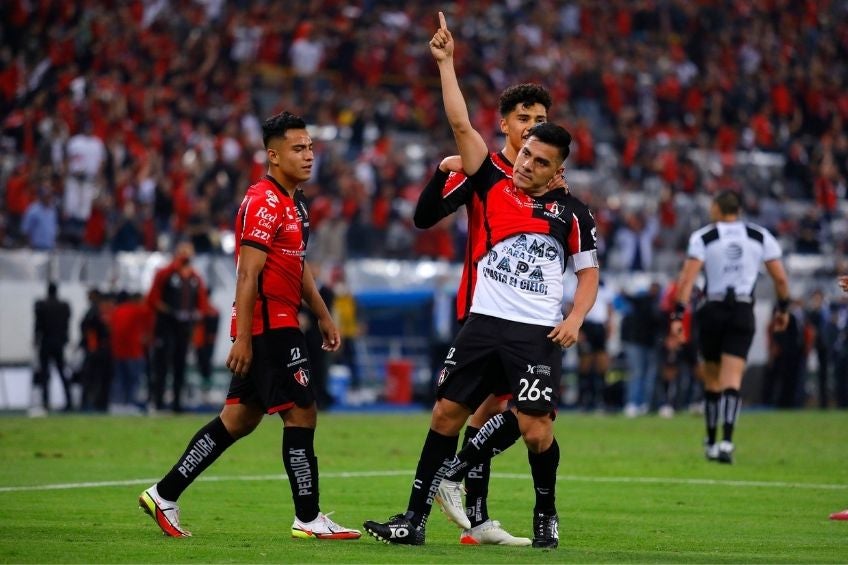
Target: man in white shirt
85, 155
730, 251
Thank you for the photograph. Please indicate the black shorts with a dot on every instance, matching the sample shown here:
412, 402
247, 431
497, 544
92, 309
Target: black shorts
531, 364
593, 338
725, 328
280, 374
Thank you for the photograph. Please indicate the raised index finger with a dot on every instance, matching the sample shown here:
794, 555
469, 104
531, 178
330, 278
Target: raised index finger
442, 23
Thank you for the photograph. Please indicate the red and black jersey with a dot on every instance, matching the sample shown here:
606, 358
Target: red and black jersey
272, 221
442, 196
508, 211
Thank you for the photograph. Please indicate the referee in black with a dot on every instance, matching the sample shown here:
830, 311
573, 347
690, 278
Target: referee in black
730, 252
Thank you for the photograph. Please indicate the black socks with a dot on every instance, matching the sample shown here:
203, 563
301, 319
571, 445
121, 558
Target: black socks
436, 457
496, 435
302, 469
203, 449
543, 466
711, 401
729, 407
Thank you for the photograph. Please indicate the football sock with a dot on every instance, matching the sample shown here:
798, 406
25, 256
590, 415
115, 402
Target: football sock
476, 484
436, 456
496, 435
203, 449
711, 400
302, 469
729, 407
543, 467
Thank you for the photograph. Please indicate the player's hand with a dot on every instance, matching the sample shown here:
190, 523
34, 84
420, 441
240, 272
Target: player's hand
781, 321
441, 46
330, 334
565, 334
843, 283
558, 181
240, 357
452, 164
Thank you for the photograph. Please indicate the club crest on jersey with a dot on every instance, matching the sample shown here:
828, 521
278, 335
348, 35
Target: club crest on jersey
302, 377
553, 208
271, 198
443, 374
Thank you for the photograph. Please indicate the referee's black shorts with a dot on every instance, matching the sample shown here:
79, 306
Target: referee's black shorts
594, 338
725, 328
531, 365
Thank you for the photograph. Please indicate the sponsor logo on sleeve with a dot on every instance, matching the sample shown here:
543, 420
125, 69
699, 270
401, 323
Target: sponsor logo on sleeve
271, 199
259, 234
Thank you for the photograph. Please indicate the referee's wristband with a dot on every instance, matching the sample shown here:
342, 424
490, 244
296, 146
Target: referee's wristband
783, 305
677, 313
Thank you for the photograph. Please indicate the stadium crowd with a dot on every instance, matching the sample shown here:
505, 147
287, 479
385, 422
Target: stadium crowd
133, 125
127, 125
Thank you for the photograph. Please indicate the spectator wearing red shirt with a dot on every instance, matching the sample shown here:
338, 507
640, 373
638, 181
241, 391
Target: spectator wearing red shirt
19, 195
131, 325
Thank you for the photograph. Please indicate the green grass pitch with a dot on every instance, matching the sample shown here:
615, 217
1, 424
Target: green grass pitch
629, 491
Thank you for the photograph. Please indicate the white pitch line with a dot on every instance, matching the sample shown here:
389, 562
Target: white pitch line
513, 476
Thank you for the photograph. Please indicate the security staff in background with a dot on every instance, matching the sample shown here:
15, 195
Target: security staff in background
178, 297
52, 316
730, 251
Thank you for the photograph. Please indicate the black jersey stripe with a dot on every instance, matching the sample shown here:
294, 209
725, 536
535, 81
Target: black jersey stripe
754, 234
710, 236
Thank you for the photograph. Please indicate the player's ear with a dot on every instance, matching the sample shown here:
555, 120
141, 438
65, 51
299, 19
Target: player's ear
273, 156
503, 126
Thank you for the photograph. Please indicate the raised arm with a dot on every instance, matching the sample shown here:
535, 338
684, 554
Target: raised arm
443, 195
472, 147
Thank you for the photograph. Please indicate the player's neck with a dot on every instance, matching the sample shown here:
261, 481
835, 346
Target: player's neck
510, 153
288, 185
534, 191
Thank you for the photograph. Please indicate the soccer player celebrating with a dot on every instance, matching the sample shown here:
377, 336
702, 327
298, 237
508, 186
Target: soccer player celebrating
515, 317
268, 357
521, 107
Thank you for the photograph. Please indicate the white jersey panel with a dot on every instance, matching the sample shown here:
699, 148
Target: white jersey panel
521, 279
732, 253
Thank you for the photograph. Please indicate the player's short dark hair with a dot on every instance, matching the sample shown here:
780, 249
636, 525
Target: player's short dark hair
525, 94
552, 134
276, 126
728, 202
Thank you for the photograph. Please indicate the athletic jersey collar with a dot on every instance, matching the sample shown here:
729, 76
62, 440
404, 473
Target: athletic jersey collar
280, 188
555, 193
502, 158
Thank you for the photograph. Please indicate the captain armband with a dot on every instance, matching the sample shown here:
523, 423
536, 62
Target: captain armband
585, 260
677, 313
